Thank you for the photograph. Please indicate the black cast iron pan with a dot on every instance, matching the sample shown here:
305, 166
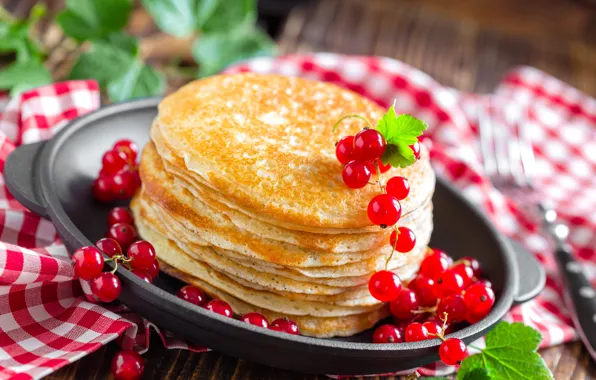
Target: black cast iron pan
54, 178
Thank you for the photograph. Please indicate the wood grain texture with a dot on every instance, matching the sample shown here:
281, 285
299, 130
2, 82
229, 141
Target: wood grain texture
466, 44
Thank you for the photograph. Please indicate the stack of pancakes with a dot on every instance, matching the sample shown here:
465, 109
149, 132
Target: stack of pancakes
243, 197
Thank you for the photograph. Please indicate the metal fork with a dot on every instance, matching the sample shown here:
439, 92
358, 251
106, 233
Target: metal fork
508, 160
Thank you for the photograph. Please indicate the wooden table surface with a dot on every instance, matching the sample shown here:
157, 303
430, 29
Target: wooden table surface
467, 44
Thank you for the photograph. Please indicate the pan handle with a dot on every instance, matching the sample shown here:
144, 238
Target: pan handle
532, 276
20, 174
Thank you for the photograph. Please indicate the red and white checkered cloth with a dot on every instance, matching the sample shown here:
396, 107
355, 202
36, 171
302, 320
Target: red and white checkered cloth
46, 321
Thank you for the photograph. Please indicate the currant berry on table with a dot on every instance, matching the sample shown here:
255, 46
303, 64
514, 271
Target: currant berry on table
109, 246
88, 263
479, 299
454, 307
466, 272
424, 287
143, 275
106, 287
127, 365
449, 282
124, 233
344, 150
434, 264
416, 149
415, 332
128, 147
452, 351
114, 161
399, 187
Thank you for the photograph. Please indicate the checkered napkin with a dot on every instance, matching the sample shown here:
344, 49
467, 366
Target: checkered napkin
47, 321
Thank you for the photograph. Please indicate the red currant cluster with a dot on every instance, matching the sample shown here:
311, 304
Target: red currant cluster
140, 257
361, 156
119, 174
442, 295
197, 297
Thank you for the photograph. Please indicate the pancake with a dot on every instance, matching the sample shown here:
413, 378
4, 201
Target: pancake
242, 196
265, 143
310, 326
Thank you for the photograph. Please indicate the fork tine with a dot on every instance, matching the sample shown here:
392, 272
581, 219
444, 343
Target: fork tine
526, 152
486, 142
502, 151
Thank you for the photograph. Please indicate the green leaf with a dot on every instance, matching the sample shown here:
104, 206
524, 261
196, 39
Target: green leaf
104, 62
14, 36
214, 51
478, 374
227, 15
138, 81
124, 42
399, 132
23, 76
510, 354
93, 19
175, 17
435, 378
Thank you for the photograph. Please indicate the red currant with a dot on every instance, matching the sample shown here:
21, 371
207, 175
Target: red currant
219, 307
452, 351
416, 332
449, 282
120, 215
485, 282
142, 254
399, 187
416, 149
192, 294
424, 287
384, 210
387, 334
127, 365
123, 233
114, 161
106, 287
455, 308
129, 148
356, 174
406, 240
466, 273
285, 325
472, 318
344, 150
403, 306
474, 264
384, 285
125, 184
153, 269
368, 145
102, 189
479, 299
384, 168
433, 328
88, 263
255, 319
143, 274
434, 264
109, 246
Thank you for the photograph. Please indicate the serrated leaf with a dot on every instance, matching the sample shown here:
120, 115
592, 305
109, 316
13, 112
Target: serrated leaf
14, 36
510, 354
214, 51
478, 374
94, 19
138, 81
103, 62
176, 17
23, 76
227, 15
402, 129
124, 42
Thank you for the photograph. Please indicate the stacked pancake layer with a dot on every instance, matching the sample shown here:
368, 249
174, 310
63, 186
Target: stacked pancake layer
243, 197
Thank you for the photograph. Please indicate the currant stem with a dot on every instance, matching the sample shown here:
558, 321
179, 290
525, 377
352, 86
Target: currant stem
368, 124
474, 347
115, 267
